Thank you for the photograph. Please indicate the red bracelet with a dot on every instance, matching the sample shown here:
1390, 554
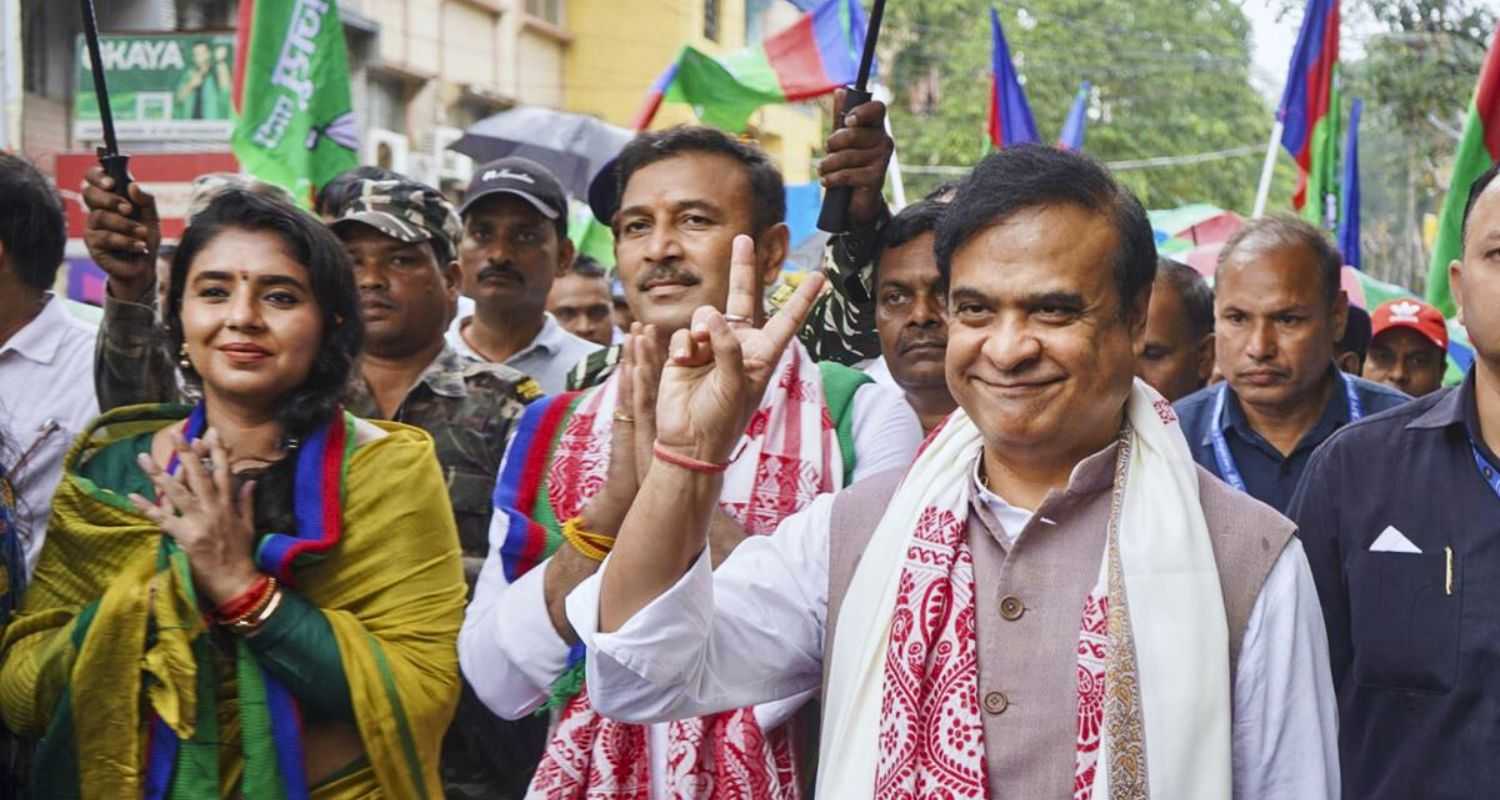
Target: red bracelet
245, 601
688, 463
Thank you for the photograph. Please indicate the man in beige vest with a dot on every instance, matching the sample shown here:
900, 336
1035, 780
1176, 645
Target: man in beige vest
1054, 601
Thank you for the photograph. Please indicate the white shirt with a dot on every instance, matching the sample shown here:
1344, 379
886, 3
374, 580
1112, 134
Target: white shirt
511, 654
547, 360
46, 399
753, 630
880, 372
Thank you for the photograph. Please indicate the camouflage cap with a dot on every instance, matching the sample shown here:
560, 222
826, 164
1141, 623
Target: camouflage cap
404, 210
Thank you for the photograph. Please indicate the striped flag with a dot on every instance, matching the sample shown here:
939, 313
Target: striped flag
1077, 121
1309, 129
1011, 122
1478, 150
817, 54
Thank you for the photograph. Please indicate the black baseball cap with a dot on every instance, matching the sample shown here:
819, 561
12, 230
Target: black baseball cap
523, 178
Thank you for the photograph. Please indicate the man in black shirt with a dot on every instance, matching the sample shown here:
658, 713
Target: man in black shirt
1400, 516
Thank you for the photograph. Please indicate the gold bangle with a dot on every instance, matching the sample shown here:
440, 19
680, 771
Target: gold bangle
593, 546
251, 625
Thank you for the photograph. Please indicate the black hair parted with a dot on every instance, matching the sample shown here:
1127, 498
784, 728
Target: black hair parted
768, 192
329, 275
1031, 176
33, 230
1475, 190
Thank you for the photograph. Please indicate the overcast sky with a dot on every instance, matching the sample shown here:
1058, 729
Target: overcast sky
1272, 43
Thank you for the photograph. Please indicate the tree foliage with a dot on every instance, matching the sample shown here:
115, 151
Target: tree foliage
1170, 77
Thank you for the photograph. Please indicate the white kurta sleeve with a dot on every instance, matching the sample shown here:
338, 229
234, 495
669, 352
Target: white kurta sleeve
886, 431
749, 633
508, 649
1285, 737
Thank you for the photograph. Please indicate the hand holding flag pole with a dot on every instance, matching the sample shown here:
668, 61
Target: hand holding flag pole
834, 218
116, 165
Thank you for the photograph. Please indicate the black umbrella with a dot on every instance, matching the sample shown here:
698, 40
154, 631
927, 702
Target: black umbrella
574, 146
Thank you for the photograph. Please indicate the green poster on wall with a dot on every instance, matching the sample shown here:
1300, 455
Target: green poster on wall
162, 87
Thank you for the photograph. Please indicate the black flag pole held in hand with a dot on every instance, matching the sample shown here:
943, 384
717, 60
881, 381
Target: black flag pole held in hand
116, 166
834, 217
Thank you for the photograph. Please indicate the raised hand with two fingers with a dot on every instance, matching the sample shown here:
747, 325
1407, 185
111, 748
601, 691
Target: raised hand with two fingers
719, 366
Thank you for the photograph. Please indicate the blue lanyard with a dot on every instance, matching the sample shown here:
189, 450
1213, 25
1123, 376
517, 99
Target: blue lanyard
1487, 471
1227, 469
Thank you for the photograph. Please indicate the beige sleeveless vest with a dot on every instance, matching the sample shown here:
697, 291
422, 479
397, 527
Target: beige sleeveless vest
1030, 596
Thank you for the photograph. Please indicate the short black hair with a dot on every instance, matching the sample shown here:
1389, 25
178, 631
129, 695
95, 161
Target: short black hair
33, 229
586, 266
330, 276
1032, 176
768, 192
911, 222
1356, 333
1197, 296
344, 187
1284, 230
1475, 190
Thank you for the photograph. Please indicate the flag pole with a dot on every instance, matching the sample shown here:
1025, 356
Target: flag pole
834, 218
898, 182
115, 164
1267, 170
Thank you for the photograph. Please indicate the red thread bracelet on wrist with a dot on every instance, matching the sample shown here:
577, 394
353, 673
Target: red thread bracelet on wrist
238, 605
687, 462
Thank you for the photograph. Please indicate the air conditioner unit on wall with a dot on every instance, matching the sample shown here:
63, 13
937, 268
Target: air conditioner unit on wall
387, 149
422, 167
452, 165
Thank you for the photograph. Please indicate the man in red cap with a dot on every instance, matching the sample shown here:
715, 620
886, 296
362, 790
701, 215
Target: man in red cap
1408, 348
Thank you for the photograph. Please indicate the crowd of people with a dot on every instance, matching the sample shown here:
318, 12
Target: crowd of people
407, 499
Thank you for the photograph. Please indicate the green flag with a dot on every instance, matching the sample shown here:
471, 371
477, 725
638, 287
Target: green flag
296, 126
1477, 151
1322, 208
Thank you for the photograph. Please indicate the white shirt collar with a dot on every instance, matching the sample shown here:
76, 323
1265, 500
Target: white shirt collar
44, 335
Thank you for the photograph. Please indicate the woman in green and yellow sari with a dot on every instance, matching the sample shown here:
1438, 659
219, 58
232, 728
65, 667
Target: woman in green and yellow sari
258, 597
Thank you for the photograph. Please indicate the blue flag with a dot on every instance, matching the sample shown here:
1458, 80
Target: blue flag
1349, 198
1077, 121
1010, 115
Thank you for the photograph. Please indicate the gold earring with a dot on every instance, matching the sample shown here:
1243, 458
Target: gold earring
183, 360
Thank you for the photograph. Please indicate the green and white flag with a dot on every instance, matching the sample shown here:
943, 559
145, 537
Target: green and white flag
295, 126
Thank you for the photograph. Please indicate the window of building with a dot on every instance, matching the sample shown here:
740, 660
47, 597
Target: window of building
386, 100
549, 10
711, 20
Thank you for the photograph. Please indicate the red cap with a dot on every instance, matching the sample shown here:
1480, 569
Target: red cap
1410, 313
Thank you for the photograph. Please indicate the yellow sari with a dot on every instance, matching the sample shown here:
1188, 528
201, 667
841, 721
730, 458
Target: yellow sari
106, 634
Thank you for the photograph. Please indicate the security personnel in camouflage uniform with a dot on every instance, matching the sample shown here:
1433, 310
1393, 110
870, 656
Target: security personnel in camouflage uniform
402, 237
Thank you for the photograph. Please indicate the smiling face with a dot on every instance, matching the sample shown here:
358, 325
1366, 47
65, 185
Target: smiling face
250, 322
674, 232
909, 307
1039, 353
1274, 326
510, 255
404, 294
